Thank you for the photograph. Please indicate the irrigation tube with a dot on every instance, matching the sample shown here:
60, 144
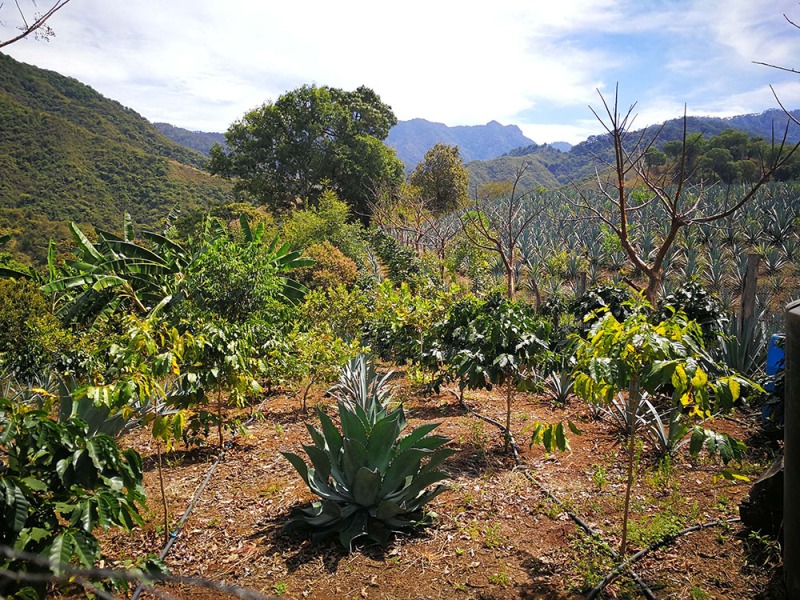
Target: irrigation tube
654, 546
173, 536
580, 522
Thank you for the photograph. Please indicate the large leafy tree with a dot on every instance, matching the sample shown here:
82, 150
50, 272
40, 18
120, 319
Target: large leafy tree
442, 179
307, 140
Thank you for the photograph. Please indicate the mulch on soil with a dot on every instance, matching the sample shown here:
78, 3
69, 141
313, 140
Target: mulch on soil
495, 533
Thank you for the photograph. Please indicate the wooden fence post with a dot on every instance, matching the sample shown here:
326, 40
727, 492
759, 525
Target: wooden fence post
747, 311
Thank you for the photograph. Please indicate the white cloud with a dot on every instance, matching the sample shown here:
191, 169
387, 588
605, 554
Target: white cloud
202, 64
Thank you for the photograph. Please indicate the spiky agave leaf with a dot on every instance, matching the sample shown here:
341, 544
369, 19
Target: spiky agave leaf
371, 481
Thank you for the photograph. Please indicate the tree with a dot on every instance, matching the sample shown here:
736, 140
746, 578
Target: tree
498, 226
682, 203
442, 179
644, 358
308, 140
36, 24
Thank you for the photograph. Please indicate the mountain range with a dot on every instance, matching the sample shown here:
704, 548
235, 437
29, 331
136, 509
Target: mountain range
67, 153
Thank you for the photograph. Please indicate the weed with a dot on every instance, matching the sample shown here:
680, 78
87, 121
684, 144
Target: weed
468, 499
459, 551
599, 476
762, 550
213, 523
502, 579
492, 536
278, 429
280, 588
591, 560
479, 439
653, 528
270, 490
697, 593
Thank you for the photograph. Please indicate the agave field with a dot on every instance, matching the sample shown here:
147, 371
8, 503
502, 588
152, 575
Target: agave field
479, 404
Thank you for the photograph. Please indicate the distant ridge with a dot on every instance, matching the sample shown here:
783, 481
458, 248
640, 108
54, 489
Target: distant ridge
412, 139
199, 141
551, 168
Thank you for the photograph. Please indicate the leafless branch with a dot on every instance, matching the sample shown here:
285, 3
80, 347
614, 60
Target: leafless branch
39, 22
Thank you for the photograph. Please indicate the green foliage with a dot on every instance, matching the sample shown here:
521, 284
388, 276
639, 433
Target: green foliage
328, 220
400, 320
234, 281
318, 354
331, 267
58, 485
370, 480
490, 342
699, 306
615, 299
345, 310
31, 338
442, 179
402, 263
640, 358
309, 139
552, 436
225, 362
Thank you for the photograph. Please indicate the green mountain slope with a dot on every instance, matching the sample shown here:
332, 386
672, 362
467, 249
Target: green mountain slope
504, 168
69, 154
579, 164
200, 141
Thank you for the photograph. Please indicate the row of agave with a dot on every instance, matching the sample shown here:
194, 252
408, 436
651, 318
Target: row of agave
556, 242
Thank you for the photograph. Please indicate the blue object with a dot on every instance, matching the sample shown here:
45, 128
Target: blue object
774, 358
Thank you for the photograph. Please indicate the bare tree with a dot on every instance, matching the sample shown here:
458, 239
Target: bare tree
498, 226
35, 24
682, 204
403, 214
782, 68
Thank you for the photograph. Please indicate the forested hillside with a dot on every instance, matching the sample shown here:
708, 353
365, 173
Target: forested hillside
68, 153
199, 141
738, 136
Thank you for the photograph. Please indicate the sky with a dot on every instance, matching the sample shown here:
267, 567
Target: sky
537, 64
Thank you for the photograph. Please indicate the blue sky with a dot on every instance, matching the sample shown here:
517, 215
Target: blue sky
202, 64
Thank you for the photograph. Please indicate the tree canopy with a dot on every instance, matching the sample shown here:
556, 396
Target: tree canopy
310, 139
442, 178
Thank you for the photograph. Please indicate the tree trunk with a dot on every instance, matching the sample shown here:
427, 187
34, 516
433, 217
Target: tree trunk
509, 395
633, 406
219, 417
163, 491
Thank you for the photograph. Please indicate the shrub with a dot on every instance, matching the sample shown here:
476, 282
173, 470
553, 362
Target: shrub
699, 306
58, 485
331, 268
31, 338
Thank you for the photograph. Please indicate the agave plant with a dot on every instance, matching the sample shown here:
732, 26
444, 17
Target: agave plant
559, 385
371, 481
667, 433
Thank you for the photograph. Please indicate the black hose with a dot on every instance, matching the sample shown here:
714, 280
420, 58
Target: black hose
580, 522
173, 536
654, 546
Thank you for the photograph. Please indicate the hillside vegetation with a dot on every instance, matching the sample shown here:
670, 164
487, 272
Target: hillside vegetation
67, 153
579, 164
